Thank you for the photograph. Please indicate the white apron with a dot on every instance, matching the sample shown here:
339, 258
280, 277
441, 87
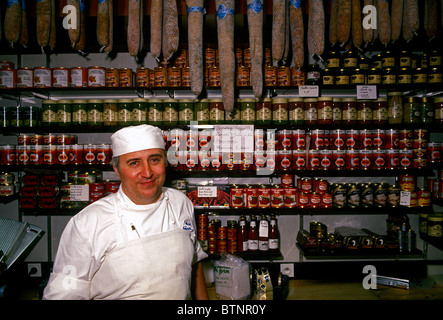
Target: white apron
156, 267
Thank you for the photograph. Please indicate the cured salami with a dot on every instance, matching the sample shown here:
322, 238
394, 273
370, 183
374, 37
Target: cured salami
255, 26
297, 33
316, 27
278, 29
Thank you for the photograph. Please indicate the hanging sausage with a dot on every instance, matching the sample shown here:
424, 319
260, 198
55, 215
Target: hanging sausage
170, 37
24, 34
134, 27
396, 19
368, 33
53, 31
357, 32
102, 29
278, 29
195, 11
383, 21
255, 27
13, 22
43, 22
225, 35
316, 28
156, 27
110, 45
410, 19
431, 18
333, 22
74, 33
297, 32
80, 44
344, 21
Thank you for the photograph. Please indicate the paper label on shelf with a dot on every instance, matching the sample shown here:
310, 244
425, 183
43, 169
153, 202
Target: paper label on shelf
366, 92
79, 192
405, 198
308, 91
207, 191
233, 138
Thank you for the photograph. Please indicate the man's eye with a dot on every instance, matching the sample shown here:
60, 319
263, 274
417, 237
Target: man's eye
132, 163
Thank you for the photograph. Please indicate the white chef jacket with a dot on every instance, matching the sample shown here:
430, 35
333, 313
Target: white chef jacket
93, 233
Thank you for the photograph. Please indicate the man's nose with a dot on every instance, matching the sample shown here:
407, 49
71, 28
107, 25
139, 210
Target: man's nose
146, 170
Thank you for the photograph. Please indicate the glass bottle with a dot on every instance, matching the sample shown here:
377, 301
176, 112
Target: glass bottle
253, 234
274, 234
242, 235
263, 234
427, 111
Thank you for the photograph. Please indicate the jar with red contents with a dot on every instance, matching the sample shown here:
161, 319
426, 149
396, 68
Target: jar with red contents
311, 111
438, 109
349, 113
296, 111
380, 111
336, 111
364, 112
324, 110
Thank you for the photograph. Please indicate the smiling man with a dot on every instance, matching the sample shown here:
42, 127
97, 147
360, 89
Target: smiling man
138, 243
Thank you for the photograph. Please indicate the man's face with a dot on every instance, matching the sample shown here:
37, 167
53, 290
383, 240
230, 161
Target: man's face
142, 175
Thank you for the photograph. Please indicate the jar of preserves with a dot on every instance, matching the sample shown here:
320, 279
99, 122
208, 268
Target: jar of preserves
170, 112
49, 112
311, 111
124, 112
185, 111
364, 111
263, 111
395, 107
313, 75
438, 109
363, 63
139, 111
234, 116
333, 60
202, 111
411, 111
419, 76
297, 76
350, 59
377, 61
388, 76
216, 111
435, 59
110, 112
328, 77
95, 112
405, 59
435, 75
64, 113
404, 76
358, 76
79, 112
155, 112
280, 111
388, 59
283, 76
349, 111
336, 111
435, 226
296, 111
374, 76
342, 77
324, 110
380, 111
427, 111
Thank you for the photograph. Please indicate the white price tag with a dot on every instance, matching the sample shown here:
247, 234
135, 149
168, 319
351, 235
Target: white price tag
207, 191
233, 139
367, 92
308, 91
405, 198
79, 192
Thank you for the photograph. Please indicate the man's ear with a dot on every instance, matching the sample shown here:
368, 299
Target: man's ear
116, 171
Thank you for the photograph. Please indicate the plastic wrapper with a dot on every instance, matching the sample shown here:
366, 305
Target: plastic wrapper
232, 278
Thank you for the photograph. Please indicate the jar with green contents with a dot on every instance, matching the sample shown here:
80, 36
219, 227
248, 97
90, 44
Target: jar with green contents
296, 111
31, 116
395, 107
95, 112
247, 111
49, 112
139, 110
64, 112
202, 111
427, 111
155, 112
4, 117
263, 111
79, 112
185, 111
280, 111
124, 112
411, 111
16, 117
170, 112
234, 116
216, 111
110, 112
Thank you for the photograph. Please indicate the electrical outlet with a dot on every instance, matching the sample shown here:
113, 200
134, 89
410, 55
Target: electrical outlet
287, 269
34, 269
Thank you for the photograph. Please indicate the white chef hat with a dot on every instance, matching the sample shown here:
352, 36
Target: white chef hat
136, 138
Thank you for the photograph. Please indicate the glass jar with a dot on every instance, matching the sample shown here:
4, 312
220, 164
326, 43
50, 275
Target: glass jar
427, 111
155, 112
374, 76
280, 111
388, 59
395, 107
170, 112
350, 59
411, 111
336, 111
202, 111
79, 112
358, 76
49, 112
435, 59
333, 60
404, 76
324, 110
95, 112
388, 76
349, 109
296, 108
139, 111
380, 111
311, 111
438, 109
216, 111
124, 112
419, 76
313, 75
405, 59
328, 77
435, 75
185, 111
64, 112
364, 111
342, 77
377, 61
110, 112
263, 111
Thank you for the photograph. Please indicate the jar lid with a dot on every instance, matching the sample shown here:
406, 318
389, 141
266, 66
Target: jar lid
49, 102
310, 100
248, 100
295, 100
438, 99
349, 100
395, 93
436, 218
154, 100
140, 100
170, 100
185, 100
279, 100
95, 101
64, 101
110, 101
80, 101
125, 101
324, 99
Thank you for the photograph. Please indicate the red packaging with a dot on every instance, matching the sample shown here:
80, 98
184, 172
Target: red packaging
90, 154
290, 198
420, 134
47, 191
277, 197
405, 134
379, 158
352, 159
305, 185
392, 139
264, 196
63, 139
103, 153
50, 154
326, 200
314, 200
284, 159
313, 159
378, 138
366, 136
320, 186
28, 191
299, 139
366, 159
191, 163
30, 179
36, 154
338, 137
339, 159
49, 179
47, 203
216, 161
259, 139
204, 160
325, 159
392, 158
251, 197
62, 154
8, 154
317, 139
23, 154
284, 138
352, 139
76, 154
237, 197
405, 158
434, 149
287, 180
299, 159
28, 203
302, 200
